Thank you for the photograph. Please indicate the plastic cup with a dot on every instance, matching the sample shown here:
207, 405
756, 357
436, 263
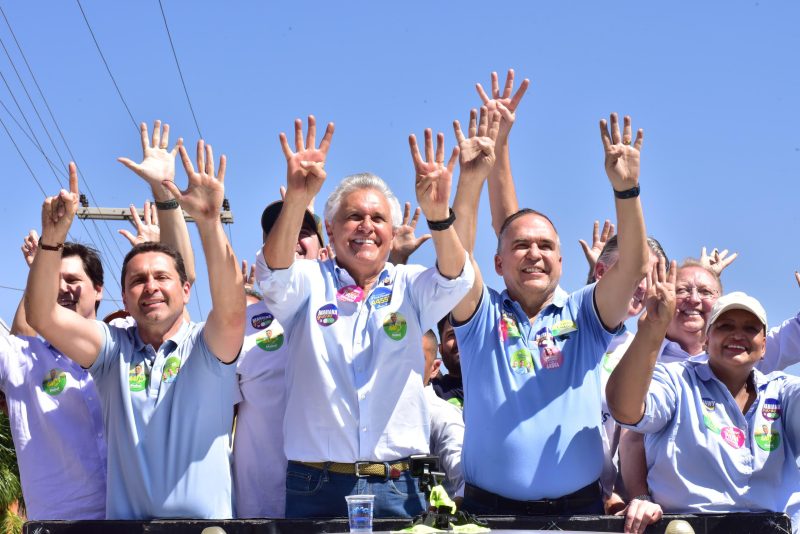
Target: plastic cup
359, 512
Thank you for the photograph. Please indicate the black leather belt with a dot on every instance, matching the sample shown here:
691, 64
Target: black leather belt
585, 496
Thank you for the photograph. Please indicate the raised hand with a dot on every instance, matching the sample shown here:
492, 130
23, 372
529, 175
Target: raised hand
599, 240
476, 156
405, 242
797, 277
202, 199
147, 230
660, 297
504, 103
248, 276
433, 178
621, 159
305, 167
58, 211
717, 261
158, 163
30, 245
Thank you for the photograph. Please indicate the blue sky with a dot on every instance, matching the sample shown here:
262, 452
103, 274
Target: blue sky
715, 85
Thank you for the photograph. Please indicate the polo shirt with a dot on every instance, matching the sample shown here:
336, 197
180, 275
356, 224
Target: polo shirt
57, 426
705, 456
354, 373
168, 416
259, 464
532, 395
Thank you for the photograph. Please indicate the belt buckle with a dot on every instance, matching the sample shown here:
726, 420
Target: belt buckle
357, 467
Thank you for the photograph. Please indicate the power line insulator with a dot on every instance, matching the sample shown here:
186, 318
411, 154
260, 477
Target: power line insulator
226, 206
84, 201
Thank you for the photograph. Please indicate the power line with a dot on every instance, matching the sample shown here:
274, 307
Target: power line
180, 73
14, 288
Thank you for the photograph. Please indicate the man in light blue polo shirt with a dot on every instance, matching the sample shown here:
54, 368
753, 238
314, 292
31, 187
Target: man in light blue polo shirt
166, 385
530, 356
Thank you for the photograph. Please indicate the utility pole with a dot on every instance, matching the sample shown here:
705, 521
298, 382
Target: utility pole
124, 214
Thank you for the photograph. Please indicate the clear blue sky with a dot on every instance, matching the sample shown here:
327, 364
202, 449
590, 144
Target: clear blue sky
715, 85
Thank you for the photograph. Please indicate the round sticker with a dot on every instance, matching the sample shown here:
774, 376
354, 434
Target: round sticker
380, 297
171, 368
271, 338
54, 382
711, 424
771, 409
327, 315
350, 294
767, 439
261, 321
137, 378
522, 362
709, 404
395, 326
733, 436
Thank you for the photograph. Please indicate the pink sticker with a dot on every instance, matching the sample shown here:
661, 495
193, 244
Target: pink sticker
733, 436
350, 294
550, 356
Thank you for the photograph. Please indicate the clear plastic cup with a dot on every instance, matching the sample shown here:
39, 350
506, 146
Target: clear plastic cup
359, 511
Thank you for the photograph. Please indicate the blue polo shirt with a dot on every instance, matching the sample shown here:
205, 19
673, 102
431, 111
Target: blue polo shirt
532, 395
168, 417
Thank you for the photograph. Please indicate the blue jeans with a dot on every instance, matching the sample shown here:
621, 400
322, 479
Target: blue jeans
314, 492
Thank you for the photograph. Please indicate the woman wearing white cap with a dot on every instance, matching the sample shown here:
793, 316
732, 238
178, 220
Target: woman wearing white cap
721, 435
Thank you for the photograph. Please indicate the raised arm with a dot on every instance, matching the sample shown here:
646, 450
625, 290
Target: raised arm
476, 160
628, 384
405, 241
433, 182
615, 289
224, 329
717, 261
20, 326
157, 166
305, 174
502, 193
74, 335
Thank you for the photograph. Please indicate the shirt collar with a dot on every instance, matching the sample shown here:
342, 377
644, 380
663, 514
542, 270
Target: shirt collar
559, 300
703, 370
169, 345
343, 277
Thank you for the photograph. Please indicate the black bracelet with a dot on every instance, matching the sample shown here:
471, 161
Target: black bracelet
438, 226
633, 192
170, 204
54, 248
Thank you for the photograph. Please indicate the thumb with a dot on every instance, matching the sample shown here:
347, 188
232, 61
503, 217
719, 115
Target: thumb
172, 188
127, 235
585, 246
421, 239
132, 165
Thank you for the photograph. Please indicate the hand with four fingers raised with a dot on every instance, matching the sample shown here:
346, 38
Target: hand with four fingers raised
405, 242
621, 158
476, 152
158, 163
505, 104
305, 167
202, 199
433, 178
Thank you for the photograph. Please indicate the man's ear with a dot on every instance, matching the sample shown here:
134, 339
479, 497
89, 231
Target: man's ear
435, 368
498, 265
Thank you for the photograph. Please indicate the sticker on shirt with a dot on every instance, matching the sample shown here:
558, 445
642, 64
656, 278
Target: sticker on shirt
54, 382
171, 368
767, 439
733, 436
350, 294
380, 297
610, 361
563, 328
395, 326
508, 327
711, 423
137, 377
522, 362
771, 409
709, 404
327, 315
549, 353
271, 338
262, 320
455, 401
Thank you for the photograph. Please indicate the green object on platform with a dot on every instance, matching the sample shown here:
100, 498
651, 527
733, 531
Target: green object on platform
439, 498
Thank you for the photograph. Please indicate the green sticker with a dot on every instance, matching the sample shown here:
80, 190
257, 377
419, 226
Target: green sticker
563, 327
767, 439
395, 326
711, 424
271, 338
171, 368
54, 382
609, 363
137, 378
455, 401
522, 362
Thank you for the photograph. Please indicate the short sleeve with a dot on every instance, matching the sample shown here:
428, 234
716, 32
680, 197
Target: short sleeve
109, 349
285, 290
434, 296
660, 403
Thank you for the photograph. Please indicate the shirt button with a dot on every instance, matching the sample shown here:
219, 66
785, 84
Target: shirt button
363, 429
362, 396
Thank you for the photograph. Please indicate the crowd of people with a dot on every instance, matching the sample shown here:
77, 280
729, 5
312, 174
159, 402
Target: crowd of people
315, 375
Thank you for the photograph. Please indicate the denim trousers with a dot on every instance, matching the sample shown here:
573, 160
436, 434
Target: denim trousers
318, 493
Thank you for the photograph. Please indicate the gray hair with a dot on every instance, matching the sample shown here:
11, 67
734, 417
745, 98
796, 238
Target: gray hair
610, 254
364, 180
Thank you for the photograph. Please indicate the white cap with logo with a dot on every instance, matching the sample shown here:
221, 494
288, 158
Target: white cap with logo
737, 300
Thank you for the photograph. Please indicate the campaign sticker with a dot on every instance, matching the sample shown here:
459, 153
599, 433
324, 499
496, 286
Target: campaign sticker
171, 368
549, 353
261, 321
271, 338
380, 297
610, 362
54, 382
137, 377
387, 281
327, 315
395, 326
350, 294
508, 326
522, 362
771, 409
709, 404
711, 424
563, 328
767, 439
455, 401
733, 436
